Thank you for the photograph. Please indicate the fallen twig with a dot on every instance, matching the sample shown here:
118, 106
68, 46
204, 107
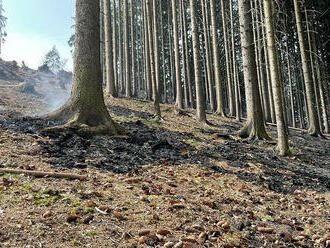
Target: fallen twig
43, 173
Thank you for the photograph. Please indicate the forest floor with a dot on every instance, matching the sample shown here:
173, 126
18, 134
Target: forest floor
173, 183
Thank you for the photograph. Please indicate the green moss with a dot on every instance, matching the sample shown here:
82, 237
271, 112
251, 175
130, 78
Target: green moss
90, 233
151, 121
28, 187
88, 210
267, 218
76, 242
76, 203
47, 201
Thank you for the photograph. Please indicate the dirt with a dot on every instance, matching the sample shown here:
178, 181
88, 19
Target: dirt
176, 178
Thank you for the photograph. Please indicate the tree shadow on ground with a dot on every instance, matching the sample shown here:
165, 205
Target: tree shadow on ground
309, 169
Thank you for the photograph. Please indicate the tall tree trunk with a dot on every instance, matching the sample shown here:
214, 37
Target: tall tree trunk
283, 145
200, 97
234, 63
187, 57
85, 108
231, 101
128, 88
208, 56
184, 72
110, 83
216, 60
156, 60
179, 100
164, 88
268, 81
313, 122
133, 46
146, 55
114, 47
255, 126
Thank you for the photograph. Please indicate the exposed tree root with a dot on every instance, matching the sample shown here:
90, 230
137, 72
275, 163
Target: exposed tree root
314, 133
91, 122
252, 132
221, 113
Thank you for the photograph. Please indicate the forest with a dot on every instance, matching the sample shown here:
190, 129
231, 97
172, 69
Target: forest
184, 123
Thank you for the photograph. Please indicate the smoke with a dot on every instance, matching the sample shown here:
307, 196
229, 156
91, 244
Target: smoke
54, 92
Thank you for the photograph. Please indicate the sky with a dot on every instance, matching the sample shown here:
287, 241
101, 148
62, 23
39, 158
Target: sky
34, 27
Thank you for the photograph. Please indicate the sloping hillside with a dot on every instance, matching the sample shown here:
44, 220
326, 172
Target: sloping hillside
173, 183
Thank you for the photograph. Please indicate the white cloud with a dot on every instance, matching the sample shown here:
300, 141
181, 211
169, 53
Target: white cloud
31, 49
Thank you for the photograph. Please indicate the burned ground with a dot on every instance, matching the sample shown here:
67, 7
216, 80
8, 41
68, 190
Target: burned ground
176, 174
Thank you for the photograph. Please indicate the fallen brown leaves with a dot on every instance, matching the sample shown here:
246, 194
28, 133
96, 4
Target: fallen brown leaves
177, 206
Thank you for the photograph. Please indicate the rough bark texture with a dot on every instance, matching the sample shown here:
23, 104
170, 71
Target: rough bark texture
313, 121
179, 100
114, 46
154, 52
283, 145
218, 81
86, 108
231, 101
187, 57
200, 98
255, 127
110, 83
128, 83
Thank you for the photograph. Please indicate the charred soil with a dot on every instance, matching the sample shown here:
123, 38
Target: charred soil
165, 182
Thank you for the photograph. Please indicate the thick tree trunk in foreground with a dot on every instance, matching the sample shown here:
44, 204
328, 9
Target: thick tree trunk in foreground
255, 126
283, 145
110, 84
200, 97
313, 120
218, 81
86, 108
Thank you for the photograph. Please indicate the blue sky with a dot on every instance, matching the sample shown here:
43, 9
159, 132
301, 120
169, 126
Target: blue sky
34, 26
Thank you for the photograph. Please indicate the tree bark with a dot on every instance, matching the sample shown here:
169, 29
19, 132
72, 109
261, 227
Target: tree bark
283, 145
179, 100
216, 60
255, 126
200, 97
313, 122
128, 86
110, 83
86, 108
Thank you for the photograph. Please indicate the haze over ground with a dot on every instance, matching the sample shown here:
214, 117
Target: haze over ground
34, 26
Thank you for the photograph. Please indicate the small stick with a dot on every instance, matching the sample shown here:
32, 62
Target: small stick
44, 174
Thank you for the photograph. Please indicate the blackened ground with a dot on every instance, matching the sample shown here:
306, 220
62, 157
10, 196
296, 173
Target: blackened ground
309, 168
